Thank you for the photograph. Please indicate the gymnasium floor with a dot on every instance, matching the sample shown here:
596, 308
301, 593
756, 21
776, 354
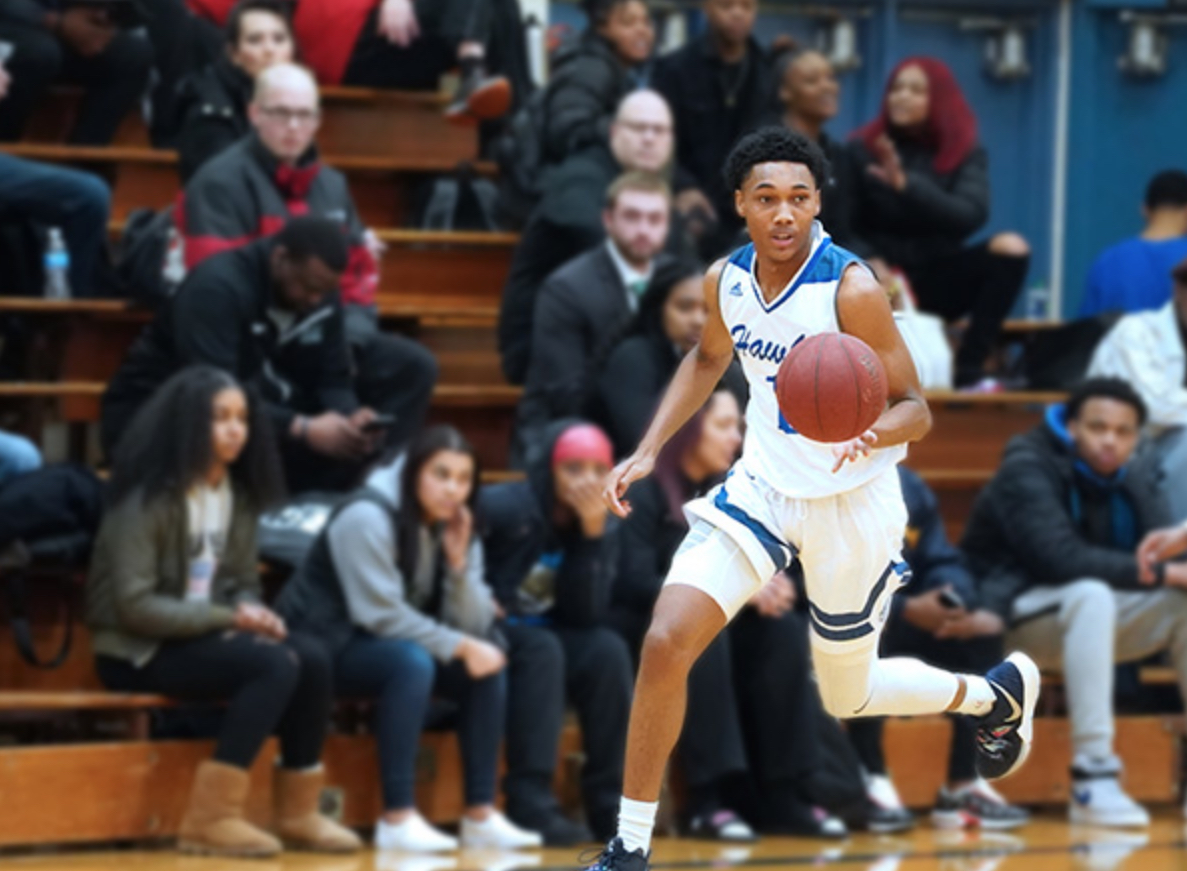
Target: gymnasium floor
1048, 844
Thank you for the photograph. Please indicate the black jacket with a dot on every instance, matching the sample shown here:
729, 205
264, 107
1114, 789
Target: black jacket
566, 222
651, 535
1044, 519
219, 316
519, 538
581, 314
586, 84
212, 107
838, 197
707, 125
932, 216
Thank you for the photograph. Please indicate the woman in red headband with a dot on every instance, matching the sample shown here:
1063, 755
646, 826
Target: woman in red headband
923, 189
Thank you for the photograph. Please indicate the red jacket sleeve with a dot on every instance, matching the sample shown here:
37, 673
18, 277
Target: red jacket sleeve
212, 10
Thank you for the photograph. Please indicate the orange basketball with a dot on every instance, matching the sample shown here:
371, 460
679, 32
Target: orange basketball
831, 387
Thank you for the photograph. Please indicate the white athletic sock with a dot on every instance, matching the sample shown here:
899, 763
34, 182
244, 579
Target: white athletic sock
978, 698
636, 819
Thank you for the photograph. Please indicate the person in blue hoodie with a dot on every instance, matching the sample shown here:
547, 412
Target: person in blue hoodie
551, 560
1054, 541
936, 617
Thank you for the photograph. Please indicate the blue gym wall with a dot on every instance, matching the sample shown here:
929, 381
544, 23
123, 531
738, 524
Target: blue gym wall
1121, 130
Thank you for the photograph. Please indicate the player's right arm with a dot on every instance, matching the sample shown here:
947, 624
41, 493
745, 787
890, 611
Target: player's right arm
692, 385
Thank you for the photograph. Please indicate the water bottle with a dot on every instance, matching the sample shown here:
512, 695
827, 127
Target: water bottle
1038, 302
57, 266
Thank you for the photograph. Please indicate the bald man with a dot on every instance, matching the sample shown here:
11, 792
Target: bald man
568, 219
250, 191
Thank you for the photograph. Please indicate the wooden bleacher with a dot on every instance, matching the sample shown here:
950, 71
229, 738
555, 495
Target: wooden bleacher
444, 289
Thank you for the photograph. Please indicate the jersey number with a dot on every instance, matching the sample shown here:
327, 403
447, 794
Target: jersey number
784, 426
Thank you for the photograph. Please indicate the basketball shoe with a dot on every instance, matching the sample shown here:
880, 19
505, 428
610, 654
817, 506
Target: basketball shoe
1004, 734
616, 858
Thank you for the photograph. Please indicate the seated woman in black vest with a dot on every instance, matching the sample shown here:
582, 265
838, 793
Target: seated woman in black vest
174, 604
395, 585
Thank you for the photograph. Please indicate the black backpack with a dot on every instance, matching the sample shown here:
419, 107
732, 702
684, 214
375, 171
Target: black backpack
519, 153
143, 252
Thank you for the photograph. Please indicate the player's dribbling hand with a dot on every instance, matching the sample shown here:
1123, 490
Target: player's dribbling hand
854, 448
633, 468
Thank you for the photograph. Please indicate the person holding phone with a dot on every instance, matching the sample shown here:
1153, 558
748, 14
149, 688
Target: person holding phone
81, 43
936, 617
394, 585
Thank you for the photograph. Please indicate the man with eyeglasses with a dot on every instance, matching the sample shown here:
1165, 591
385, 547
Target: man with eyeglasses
568, 219
252, 189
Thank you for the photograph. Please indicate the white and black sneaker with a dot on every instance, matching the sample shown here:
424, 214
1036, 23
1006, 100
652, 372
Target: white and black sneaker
1004, 734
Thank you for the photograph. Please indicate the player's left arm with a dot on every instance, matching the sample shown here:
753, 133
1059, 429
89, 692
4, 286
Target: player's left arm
864, 311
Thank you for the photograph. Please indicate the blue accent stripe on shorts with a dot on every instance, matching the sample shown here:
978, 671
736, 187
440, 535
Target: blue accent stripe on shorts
776, 549
850, 634
853, 617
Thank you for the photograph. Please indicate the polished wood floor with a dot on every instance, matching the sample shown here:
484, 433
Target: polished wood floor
1048, 844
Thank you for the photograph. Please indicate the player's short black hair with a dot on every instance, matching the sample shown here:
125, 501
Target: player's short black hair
1167, 190
310, 236
774, 145
1105, 388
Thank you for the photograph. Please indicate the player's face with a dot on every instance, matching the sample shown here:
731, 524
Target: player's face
301, 286
732, 20
630, 30
286, 119
908, 102
638, 225
779, 201
264, 40
444, 485
810, 87
721, 434
229, 425
685, 314
1105, 433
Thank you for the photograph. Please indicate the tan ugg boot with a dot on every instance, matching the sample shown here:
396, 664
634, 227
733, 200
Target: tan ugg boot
213, 824
298, 823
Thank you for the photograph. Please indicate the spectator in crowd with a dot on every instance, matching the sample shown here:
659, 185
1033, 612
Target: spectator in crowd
569, 218
212, 103
935, 618
922, 189
78, 202
720, 87
1146, 349
17, 456
275, 173
1053, 540
808, 92
586, 304
270, 314
394, 586
590, 76
1134, 275
82, 44
771, 640
552, 558
174, 603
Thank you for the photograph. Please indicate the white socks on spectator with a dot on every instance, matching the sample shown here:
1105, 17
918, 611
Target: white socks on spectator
636, 819
978, 698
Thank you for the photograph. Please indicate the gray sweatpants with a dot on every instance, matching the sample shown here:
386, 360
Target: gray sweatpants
1082, 629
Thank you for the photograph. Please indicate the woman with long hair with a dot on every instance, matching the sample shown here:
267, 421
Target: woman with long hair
751, 683
175, 606
395, 586
923, 181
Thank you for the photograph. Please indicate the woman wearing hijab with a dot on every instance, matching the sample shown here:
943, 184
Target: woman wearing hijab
923, 189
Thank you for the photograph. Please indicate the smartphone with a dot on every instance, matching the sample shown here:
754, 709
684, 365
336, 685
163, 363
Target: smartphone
380, 423
949, 599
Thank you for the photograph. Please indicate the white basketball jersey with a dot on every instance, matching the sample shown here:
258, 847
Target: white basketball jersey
763, 334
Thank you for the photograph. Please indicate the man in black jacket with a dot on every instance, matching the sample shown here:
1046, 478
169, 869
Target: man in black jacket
568, 219
720, 86
551, 551
585, 306
269, 313
1053, 539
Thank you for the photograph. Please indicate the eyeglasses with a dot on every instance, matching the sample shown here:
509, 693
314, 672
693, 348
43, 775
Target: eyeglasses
285, 116
642, 127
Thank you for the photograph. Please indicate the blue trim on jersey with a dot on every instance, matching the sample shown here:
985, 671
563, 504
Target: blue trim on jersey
808, 269
743, 257
830, 267
776, 549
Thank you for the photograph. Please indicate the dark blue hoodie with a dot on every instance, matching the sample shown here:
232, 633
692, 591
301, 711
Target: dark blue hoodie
1046, 519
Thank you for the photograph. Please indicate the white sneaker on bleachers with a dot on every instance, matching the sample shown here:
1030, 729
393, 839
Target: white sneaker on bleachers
413, 835
497, 832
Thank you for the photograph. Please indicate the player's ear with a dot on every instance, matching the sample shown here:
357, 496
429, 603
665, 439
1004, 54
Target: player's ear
738, 203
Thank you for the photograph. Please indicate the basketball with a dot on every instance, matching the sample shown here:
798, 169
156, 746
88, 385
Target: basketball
831, 387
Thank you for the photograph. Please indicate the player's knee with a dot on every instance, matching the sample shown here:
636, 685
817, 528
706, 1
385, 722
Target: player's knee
1009, 245
844, 688
666, 650
842, 702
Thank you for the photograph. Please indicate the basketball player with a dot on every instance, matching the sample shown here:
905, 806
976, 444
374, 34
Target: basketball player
838, 508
